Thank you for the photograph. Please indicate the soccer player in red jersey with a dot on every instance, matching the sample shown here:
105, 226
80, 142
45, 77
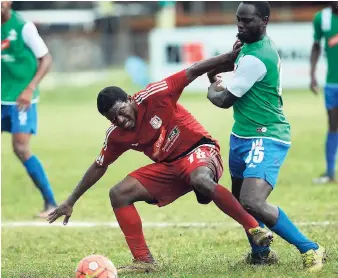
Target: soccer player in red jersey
186, 158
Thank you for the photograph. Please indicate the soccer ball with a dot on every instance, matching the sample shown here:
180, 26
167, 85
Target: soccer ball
96, 266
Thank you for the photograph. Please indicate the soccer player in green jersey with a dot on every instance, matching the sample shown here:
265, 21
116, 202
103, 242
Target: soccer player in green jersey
325, 25
260, 137
24, 62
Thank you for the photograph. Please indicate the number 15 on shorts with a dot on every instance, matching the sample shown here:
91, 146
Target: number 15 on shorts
256, 154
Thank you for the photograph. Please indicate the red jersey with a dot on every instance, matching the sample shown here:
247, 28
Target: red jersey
164, 129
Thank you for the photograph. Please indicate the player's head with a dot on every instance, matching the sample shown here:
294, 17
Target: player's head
5, 8
252, 19
116, 105
334, 6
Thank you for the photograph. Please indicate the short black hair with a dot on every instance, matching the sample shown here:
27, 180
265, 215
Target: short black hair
262, 7
108, 97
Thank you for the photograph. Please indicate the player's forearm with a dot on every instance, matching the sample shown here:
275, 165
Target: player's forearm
207, 65
44, 65
221, 98
223, 68
93, 174
315, 53
216, 97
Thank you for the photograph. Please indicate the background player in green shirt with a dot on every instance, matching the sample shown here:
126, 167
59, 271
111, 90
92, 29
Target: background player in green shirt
325, 25
260, 137
24, 62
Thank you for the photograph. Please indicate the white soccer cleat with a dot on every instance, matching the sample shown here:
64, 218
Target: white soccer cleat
324, 179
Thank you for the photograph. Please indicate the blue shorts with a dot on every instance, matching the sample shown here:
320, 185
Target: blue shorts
15, 121
331, 96
256, 158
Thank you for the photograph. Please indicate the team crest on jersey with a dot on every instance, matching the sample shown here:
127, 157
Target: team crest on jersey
156, 122
262, 129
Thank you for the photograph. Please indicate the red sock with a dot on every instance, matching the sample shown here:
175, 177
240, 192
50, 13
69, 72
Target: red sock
131, 226
226, 202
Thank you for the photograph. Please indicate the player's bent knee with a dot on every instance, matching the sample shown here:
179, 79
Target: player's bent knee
128, 192
120, 195
22, 151
113, 195
251, 205
203, 184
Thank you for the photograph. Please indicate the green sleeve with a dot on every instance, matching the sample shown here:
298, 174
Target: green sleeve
317, 26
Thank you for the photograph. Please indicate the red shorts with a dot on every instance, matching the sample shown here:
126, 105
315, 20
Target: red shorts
168, 181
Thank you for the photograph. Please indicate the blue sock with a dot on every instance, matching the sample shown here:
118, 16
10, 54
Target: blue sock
288, 231
331, 153
39, 177
255, 248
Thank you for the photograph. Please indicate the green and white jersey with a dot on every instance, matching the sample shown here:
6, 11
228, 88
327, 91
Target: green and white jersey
21, 46
325, 25
256, 81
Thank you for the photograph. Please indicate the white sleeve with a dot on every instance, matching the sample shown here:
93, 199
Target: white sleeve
249, 70
33, 40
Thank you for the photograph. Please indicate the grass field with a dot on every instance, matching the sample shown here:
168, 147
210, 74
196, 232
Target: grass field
71, 133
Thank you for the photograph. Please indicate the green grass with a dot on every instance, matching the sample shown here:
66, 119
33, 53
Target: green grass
71, 133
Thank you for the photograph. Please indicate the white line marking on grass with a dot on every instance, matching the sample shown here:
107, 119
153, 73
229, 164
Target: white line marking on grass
83, 224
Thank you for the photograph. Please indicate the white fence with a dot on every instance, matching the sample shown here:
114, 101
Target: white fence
172, 50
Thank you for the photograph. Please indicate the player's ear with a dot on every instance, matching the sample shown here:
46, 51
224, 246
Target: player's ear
129, 98
265, 21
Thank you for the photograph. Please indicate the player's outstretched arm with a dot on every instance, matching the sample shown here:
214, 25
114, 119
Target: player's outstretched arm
224, 62
315, 52
212, 75
219, 96
93, 174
